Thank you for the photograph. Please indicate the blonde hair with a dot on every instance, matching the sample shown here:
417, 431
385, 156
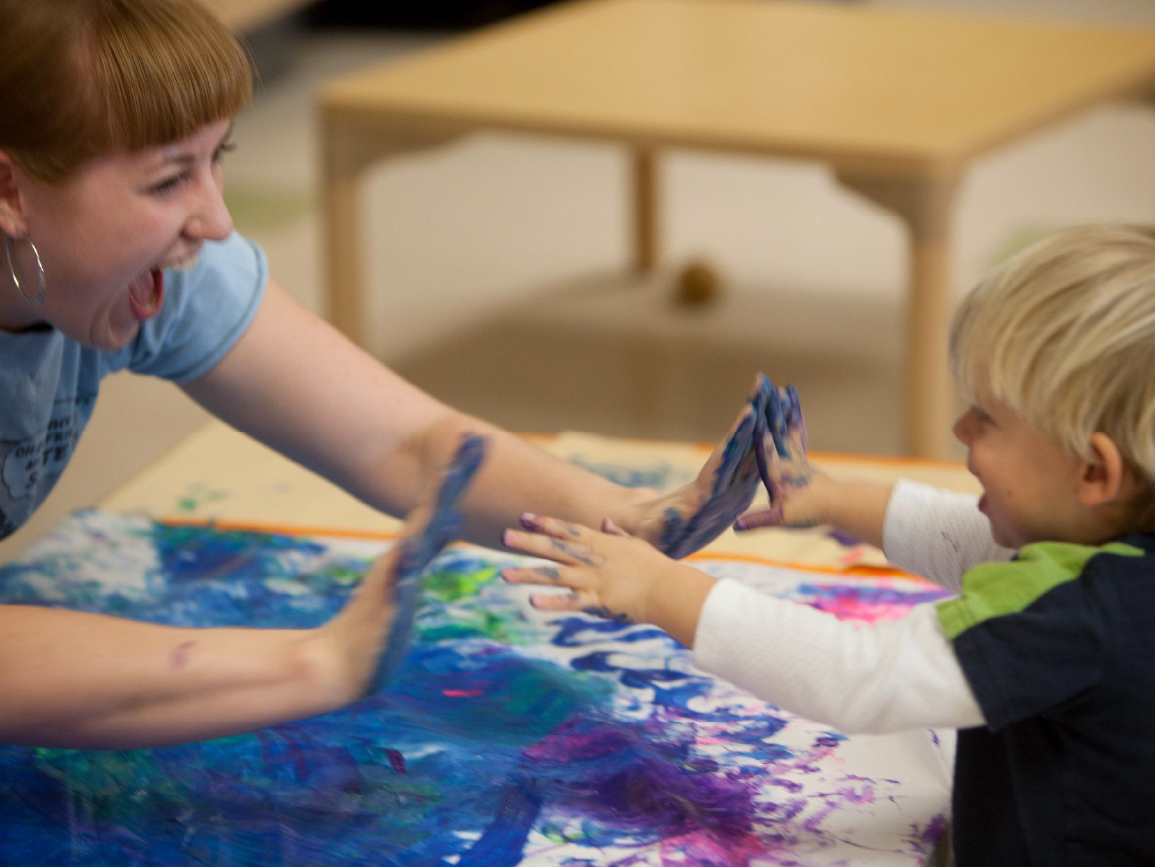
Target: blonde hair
83, 78
1063, 334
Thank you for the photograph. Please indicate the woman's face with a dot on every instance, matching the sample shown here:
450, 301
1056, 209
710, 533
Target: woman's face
105, 234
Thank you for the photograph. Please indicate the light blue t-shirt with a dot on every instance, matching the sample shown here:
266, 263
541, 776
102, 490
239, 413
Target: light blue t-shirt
48, 382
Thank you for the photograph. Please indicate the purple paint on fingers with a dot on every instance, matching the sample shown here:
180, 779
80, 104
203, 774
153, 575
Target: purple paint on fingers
843, 538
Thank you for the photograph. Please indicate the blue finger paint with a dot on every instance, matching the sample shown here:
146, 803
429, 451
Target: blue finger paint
637, 756
418, 551
779, 426
794, 420
503, 842
734, 483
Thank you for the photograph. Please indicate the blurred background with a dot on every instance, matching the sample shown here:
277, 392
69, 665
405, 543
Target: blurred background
499, 263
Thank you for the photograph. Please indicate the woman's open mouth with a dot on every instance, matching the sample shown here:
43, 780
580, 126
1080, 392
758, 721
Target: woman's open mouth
146, 295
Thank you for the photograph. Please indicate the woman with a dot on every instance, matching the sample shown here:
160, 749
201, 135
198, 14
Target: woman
120, 253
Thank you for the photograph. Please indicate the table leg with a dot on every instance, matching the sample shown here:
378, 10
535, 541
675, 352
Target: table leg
645, 202
347, 151
340, 179
927, 206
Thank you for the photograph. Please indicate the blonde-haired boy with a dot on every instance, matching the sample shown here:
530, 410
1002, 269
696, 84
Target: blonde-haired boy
1044, 658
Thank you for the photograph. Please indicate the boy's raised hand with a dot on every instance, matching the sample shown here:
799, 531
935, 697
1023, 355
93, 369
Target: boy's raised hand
793, 486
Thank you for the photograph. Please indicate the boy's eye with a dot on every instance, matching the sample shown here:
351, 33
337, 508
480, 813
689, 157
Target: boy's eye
226, 148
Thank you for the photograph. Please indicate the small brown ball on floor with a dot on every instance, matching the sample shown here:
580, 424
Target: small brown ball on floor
698, 284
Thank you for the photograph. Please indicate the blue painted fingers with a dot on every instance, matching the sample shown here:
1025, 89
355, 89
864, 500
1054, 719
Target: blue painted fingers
417, 550
780, 439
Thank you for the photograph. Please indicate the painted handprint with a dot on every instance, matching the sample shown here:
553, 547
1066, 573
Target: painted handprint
418, 550
780, 451
725, 487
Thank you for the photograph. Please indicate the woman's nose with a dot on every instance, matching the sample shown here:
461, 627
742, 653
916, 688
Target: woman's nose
211, 220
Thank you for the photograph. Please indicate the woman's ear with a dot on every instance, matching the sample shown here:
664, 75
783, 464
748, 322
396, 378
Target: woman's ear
12, 218
1105, 477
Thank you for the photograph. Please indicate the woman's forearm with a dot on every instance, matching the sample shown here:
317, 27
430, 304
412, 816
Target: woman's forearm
518, 476
74, 679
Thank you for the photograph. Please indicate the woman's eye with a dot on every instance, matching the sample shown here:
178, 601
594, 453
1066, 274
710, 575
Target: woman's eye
169, 185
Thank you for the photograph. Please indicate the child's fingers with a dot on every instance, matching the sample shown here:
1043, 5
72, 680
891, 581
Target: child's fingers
771, 517
558, 602
564, 551
760, 458
777, 409
553, 576
609, 527
759, 388
554, 527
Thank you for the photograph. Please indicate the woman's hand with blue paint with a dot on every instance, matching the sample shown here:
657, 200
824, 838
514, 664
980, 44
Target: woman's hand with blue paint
609, 574
372, 631
685, 520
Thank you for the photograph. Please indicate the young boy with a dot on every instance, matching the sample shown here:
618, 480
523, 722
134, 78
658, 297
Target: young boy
1044, 662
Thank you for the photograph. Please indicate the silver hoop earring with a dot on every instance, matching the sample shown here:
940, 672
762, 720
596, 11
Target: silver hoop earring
39, 298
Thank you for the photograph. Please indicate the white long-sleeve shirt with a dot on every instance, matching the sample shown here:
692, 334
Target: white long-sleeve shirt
859, 677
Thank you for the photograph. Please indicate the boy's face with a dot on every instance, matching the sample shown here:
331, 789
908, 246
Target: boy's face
1030, 483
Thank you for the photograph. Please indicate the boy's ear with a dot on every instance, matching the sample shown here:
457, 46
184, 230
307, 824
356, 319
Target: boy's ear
1105, 478
13, 222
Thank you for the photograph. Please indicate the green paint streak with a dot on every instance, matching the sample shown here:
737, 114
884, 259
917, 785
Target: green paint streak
449, 585
481, 623
196, 497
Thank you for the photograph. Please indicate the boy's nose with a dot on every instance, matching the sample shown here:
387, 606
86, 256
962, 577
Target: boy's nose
963, 427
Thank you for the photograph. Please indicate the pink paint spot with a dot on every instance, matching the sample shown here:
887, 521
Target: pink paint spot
710, 850
461, 693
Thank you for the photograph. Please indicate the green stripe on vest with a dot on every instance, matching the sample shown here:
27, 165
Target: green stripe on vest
994, 589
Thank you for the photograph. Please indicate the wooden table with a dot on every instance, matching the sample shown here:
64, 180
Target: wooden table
217, 475
491, 696
897, 102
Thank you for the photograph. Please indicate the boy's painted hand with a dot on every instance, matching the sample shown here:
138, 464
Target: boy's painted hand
608, 573
780, 451
685, 520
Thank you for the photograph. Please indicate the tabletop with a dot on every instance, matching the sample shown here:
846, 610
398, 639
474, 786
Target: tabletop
217, 475
791, 78
505, 736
